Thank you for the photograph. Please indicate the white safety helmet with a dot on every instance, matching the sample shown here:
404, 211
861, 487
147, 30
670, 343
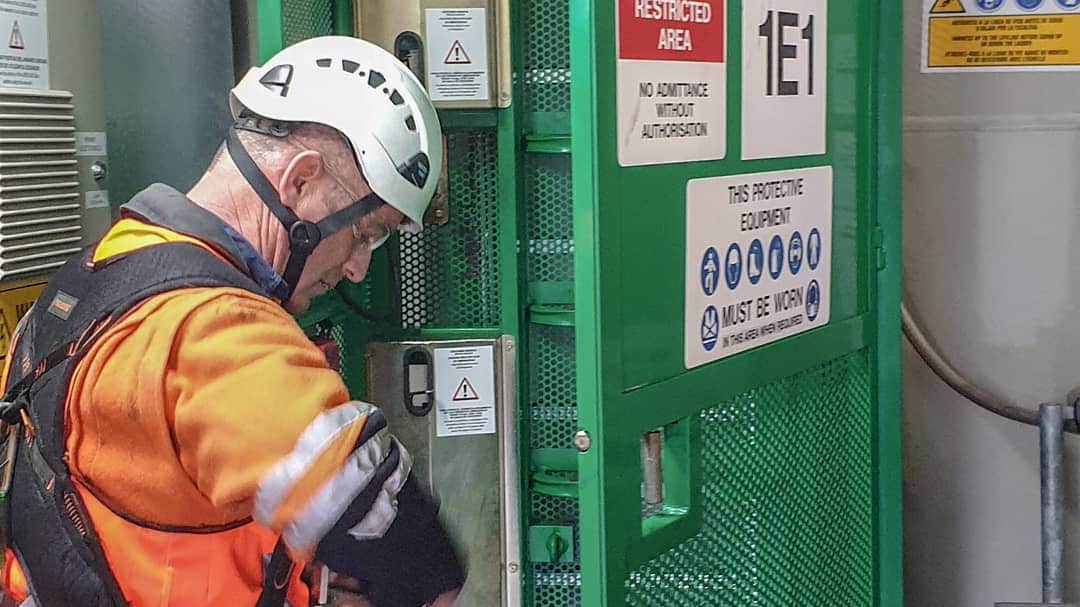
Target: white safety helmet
367, 95
373, 100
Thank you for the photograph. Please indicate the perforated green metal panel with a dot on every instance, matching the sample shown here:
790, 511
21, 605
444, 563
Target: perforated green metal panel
450, 274
547, 56
788, 500
550, 227
552, 422
551, 382
302, 19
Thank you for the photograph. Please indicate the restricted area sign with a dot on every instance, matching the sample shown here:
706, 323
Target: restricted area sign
672, 81
757, 260
1001, 35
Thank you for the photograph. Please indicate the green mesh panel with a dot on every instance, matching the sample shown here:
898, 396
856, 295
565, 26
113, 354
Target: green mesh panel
550, 219
450, 273
553, 419
547, 56
551, 379
302, 19
351, 332
348, 329
787, 500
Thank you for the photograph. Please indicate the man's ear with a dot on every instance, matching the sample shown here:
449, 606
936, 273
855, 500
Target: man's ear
304, 168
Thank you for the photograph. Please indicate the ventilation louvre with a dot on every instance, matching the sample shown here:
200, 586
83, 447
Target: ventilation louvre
40, 210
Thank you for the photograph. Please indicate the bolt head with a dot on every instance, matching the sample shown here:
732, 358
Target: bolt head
582, 441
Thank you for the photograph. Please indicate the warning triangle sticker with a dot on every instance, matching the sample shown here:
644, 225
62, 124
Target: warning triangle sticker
942, 7
457, 55
16, 40
465, 391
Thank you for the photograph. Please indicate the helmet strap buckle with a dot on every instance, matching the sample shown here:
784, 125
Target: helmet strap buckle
263, 126
304, 236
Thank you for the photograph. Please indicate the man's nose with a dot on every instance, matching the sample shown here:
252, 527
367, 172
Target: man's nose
356, 266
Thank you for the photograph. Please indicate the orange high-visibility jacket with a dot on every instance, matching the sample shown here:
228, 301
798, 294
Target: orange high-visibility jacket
200, 408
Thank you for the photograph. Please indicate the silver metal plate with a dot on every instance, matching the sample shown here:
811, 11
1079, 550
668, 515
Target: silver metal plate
474, 477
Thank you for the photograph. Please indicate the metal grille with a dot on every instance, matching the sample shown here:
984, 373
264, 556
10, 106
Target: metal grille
550, 218
557, 584
552, 387
450, 273
553, 419
351, 333
787, 500
39, 182
303, 19
547, 56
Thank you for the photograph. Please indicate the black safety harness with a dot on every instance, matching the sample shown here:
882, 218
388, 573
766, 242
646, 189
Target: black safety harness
47, 524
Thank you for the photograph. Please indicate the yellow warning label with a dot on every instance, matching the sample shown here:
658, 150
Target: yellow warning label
14, 303
1004, 40
947, 6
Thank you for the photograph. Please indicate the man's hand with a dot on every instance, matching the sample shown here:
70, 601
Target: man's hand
345, 591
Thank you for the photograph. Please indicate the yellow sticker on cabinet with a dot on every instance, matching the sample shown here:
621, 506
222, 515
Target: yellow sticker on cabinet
15, 302
1001, 35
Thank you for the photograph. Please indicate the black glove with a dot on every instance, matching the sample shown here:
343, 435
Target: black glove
413, 563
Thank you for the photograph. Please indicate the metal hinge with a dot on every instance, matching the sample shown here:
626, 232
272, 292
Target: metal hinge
878, 242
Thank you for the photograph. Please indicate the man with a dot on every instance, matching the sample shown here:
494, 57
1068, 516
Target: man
176, 439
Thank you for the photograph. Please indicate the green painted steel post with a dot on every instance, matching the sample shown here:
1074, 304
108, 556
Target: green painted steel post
588, 346
890, 473
268, 16
343, 17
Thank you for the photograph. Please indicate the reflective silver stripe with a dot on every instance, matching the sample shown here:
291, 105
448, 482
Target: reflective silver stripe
383, 512
320, 433
324, 509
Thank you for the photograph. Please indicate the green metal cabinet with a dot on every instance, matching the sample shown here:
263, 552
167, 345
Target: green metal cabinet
782, 472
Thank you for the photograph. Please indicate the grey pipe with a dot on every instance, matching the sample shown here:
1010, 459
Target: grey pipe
1051, 450
961, 384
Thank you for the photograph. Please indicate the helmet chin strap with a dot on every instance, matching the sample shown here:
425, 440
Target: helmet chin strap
304, 235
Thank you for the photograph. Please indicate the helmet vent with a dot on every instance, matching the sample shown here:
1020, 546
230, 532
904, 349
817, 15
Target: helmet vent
349, 66
277, 79
416, 170
325, 62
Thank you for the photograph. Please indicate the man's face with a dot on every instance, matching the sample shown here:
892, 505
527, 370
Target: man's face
346, 253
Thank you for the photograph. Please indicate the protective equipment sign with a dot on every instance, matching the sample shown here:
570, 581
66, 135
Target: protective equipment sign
671, 81
757, 260
785, 48
24, 60
457, 54
1000, 35
464, 391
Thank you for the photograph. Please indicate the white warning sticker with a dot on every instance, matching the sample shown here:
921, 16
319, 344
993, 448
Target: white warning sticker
457, 54
785, 44
757, 260
671, 81
90, 143
97, 199
464, 391
24, 58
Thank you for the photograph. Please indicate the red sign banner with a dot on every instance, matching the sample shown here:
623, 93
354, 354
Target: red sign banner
671, 30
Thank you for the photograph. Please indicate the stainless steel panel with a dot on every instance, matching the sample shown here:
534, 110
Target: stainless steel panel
474, 477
